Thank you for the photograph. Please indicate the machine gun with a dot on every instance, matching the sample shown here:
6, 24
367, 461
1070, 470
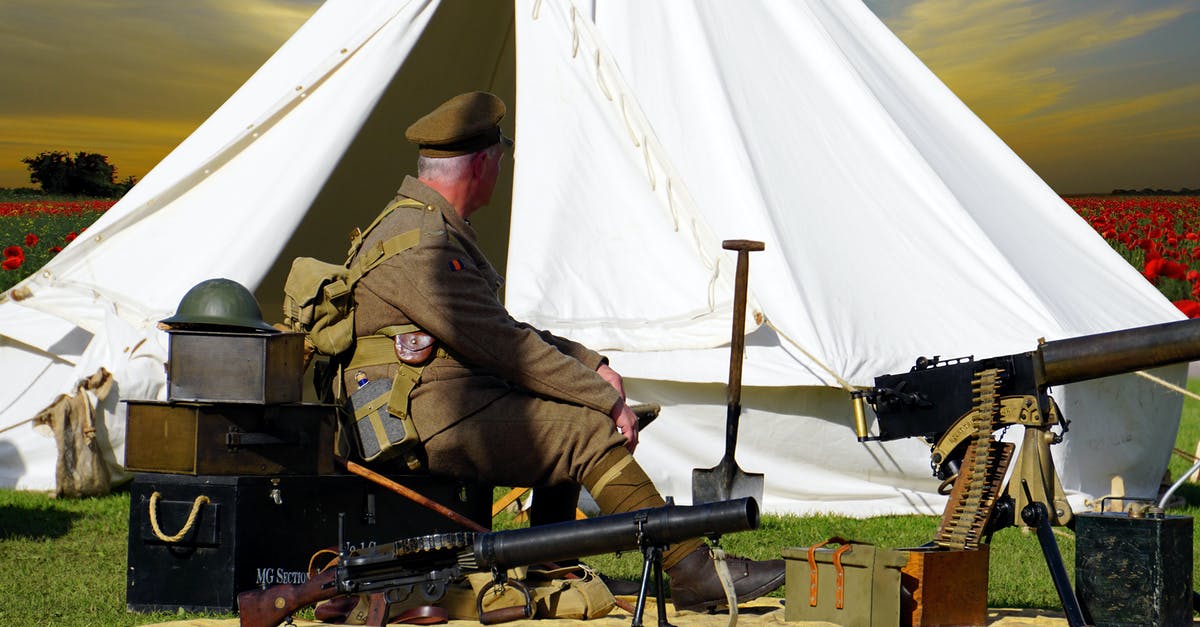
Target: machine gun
417, 570
932, 401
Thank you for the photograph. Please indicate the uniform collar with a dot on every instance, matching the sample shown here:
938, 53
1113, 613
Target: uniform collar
415, 189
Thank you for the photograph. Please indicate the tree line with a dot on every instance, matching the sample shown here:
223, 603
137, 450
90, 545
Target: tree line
81, 174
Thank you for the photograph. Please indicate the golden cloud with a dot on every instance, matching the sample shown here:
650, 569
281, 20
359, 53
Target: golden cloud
1000, 56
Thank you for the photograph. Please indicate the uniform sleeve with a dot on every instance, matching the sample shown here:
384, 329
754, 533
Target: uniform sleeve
589, 357
437, 286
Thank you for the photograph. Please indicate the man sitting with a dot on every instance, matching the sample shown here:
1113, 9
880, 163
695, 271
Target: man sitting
500, 401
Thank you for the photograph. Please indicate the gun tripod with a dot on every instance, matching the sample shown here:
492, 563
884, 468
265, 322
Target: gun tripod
1036, 515
652, 561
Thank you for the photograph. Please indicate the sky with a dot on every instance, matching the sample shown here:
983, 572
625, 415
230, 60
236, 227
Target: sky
1094, 95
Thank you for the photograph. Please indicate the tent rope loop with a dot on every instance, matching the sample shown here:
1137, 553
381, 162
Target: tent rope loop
628, 124
671, 206
537, 9
600, 77
649, 166
574, 33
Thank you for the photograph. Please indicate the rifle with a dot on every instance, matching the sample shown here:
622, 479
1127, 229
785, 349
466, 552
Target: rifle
419, 569
957, 404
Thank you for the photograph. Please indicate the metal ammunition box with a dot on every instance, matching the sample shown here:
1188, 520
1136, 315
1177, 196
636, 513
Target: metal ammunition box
1134, 571
232, 367
860, 589
252, 532
229, 438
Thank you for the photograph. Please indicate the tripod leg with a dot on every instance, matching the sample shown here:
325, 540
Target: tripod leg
660, 589
1035, 515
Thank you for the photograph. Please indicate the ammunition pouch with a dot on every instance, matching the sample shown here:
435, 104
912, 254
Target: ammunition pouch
382, 424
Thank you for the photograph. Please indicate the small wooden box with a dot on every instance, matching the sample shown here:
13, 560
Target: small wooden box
229, 438
232, 367
947, 587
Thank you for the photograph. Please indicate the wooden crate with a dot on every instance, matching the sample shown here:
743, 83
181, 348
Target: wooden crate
229, 438
947, 587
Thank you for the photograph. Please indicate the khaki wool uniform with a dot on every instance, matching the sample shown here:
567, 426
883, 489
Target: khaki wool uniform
502, 402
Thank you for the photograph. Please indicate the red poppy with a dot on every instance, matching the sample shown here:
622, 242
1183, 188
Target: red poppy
14, 251
1153, 268
56, 249
12, 263
1173, 270
70, 237
1190, 308
31, 240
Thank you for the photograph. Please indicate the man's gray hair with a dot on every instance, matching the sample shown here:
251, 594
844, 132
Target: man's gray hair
447, 168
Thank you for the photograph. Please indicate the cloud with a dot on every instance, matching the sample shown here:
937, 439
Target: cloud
1003, 57
147, 71
1152, 118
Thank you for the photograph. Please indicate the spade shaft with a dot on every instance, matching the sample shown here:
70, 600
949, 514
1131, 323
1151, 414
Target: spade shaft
726, 479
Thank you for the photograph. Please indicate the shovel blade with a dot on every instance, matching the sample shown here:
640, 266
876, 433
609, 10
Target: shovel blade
725, 482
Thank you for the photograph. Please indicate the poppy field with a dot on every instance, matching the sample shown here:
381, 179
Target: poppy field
1158, 235
33, 231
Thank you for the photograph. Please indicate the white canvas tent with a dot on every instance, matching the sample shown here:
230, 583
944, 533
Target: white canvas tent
896, 225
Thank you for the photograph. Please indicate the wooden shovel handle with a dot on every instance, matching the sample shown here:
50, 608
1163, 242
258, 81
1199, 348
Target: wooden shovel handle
737, 342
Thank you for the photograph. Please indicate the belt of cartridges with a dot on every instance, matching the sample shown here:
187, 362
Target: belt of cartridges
984, 464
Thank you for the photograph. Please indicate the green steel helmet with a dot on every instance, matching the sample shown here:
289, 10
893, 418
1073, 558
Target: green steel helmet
220, 302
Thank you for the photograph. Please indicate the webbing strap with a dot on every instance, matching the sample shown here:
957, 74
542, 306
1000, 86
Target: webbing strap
373, 350
380, 350
381, 252
393, 330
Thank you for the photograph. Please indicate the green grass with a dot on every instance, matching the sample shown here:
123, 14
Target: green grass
66, 559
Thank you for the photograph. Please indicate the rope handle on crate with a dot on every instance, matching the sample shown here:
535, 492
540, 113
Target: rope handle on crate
187, 526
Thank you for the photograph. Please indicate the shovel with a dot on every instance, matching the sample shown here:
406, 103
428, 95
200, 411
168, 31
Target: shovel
726, 480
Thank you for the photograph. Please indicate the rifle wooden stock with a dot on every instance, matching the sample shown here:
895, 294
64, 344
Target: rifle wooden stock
270, 607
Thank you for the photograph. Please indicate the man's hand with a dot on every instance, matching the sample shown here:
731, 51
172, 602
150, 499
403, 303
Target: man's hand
614, 379
627, 424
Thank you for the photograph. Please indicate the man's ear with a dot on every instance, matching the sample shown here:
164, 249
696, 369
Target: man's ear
478, 163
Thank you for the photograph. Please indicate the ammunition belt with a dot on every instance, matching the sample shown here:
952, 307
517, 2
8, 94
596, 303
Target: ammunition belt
979, 477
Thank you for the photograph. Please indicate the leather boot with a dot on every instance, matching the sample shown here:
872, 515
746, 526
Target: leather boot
695, 586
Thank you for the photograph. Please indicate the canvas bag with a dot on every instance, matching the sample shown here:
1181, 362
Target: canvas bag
318, 296
853, 585
552, 592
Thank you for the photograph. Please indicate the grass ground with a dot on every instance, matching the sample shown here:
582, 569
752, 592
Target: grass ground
66, 559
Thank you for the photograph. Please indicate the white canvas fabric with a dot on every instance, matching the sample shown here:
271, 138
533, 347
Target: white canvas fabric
896, 225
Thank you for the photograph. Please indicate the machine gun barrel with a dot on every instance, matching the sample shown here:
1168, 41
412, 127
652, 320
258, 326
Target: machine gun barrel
609, 534
1118, 352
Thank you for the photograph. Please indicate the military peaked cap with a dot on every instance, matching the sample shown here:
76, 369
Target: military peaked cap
463, 124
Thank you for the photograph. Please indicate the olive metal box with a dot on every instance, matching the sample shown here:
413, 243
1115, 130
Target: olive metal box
229, 438
235, 367
857, 585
